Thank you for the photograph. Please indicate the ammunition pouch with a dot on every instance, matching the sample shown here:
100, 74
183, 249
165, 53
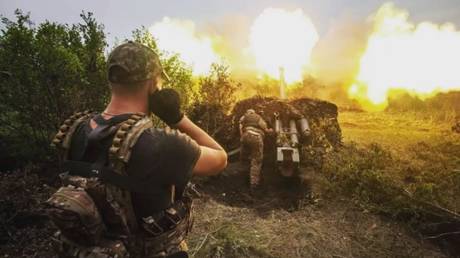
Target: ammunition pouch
164, 232
63, 138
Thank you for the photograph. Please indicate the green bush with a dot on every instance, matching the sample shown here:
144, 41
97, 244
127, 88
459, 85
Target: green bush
218, 89
50, 70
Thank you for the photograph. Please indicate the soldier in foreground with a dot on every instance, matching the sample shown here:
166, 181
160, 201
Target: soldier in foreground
124, 188
252, 131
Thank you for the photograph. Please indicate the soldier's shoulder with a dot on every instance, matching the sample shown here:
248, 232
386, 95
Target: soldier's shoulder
150, 140
165, 141
164, 135
159, 132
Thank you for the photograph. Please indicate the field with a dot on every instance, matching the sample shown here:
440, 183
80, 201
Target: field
345, 219
395, 131
356, 209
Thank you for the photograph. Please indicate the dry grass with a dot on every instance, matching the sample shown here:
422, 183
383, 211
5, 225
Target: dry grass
394, 131
332, 229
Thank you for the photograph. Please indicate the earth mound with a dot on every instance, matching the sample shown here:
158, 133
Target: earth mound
321, 115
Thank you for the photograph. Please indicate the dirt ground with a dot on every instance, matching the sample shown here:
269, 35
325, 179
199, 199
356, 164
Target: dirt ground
275, 221
278, 222
230, 222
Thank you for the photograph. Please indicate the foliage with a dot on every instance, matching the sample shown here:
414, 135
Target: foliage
218, 89
49, 71
217, 97
443, 107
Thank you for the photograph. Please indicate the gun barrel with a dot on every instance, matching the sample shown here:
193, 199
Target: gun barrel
304, 127
294, 133
278, 125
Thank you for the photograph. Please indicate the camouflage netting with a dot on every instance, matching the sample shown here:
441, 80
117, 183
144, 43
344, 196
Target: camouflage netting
321, 115
213, 120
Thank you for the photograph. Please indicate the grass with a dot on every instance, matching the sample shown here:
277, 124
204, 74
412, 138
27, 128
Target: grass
395, 131
405, 166
391, 164
421, 156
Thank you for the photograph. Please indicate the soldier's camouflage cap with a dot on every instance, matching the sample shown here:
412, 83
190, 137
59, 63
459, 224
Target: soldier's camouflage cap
133, 62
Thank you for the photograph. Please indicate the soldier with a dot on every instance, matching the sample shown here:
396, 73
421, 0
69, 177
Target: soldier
252, 131
124, 188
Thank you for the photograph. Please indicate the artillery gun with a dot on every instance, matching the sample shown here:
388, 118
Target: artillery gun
287, 143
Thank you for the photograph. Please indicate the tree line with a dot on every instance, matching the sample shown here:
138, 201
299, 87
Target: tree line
50, 70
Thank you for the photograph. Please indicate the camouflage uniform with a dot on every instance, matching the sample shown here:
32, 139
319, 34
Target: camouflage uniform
252, 145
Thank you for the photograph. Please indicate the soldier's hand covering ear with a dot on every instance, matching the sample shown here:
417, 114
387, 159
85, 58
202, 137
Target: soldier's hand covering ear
165, 104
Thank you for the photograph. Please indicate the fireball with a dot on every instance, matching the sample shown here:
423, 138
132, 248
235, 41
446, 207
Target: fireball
280, 38
180, 37
422, 59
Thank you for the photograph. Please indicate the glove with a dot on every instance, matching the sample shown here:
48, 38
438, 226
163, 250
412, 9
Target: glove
165, 104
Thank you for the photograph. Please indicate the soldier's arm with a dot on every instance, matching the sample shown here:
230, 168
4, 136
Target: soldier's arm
264, 126
213, 157
166, 105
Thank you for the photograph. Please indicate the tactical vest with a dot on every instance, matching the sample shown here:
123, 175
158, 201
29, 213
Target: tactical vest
251, 121
93, 210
